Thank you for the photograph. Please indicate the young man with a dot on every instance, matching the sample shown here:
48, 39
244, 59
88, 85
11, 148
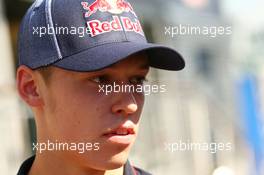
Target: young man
62, 76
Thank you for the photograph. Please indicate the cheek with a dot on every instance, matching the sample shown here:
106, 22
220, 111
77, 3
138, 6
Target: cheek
140, 99
78, 113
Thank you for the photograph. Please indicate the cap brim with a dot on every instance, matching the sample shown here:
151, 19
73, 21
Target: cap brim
102, 56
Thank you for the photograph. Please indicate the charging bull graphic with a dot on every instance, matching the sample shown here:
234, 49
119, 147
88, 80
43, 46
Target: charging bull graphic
111, 6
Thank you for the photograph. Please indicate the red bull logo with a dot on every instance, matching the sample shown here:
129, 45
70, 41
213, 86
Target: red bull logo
111, 6
97, 26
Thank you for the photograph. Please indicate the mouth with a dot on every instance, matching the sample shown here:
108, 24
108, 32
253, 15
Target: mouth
121, 135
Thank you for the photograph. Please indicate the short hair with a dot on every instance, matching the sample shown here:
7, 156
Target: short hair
45, 72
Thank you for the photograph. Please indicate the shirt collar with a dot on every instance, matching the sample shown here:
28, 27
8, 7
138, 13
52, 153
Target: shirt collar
25, 167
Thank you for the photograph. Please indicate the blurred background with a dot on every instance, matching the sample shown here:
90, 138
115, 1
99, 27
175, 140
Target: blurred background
218, 98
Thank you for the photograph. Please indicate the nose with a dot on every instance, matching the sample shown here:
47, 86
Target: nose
126, 106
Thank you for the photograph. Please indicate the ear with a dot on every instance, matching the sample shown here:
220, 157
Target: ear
28, 87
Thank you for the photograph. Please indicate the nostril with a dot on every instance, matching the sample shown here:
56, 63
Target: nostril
125, 109
119, 111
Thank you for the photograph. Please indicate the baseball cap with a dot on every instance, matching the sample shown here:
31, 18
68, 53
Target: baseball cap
87, 35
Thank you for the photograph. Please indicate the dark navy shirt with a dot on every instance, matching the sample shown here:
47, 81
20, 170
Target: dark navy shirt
128, 169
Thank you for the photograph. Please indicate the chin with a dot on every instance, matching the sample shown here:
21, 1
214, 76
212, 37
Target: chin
109, 164
106, 161
117, 162
114, 165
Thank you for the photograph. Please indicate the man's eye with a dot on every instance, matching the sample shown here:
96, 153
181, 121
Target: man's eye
99, 79
138, 80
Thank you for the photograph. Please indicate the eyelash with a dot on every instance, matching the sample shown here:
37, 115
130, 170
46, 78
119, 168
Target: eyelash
140, 79
104, 79
99, 79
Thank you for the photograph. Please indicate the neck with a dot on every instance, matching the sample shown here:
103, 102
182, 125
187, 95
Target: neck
48, 163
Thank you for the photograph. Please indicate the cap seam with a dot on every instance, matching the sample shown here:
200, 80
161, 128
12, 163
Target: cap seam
49, 21
124, 32
81, 10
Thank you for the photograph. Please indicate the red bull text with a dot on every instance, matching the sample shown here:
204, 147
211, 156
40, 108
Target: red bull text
98, 27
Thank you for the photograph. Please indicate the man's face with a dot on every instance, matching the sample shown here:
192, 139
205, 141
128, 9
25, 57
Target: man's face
75, 111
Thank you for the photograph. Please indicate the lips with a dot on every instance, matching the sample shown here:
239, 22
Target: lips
121, 131
124, 135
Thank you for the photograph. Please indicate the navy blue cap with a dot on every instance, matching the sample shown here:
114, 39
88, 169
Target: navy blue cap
87, 35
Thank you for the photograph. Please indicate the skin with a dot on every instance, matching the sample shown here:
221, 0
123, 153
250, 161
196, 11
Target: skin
70, 109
